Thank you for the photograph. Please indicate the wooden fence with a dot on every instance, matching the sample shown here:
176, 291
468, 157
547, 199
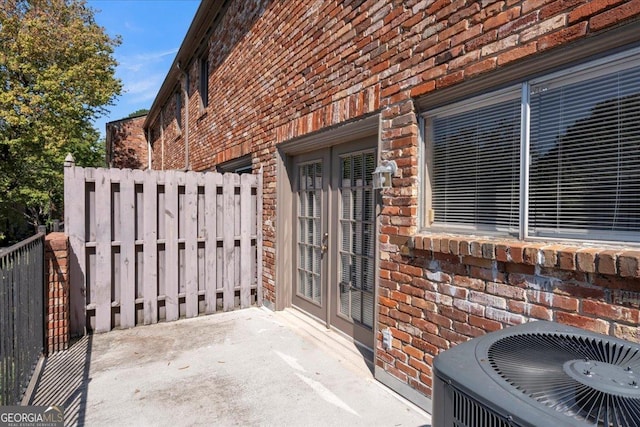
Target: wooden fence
148, 246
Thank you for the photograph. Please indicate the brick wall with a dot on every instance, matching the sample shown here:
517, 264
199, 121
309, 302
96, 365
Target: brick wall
127, 144
57, 292
279, 70
438, 291
168, 149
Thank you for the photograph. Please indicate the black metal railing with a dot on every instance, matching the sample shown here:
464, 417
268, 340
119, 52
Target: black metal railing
21, 315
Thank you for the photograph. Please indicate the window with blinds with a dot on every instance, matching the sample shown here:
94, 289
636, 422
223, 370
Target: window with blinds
579, 133
584, 176
476, 163
357, 230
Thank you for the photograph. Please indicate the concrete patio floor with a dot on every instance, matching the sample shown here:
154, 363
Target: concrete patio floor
246, 367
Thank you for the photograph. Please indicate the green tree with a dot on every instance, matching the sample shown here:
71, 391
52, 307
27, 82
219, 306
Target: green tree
57, 72
138, 113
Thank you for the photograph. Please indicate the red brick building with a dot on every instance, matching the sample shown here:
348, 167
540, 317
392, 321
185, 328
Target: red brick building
515, 129
126, 143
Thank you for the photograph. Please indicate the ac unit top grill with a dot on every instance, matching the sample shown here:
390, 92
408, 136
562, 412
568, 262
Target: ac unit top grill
543, 373
591, 379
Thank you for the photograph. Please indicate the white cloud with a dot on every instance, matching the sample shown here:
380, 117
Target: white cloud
140, 61
141, 88
142, 74
132, 27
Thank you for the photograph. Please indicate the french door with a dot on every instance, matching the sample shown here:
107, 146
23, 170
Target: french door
334, 274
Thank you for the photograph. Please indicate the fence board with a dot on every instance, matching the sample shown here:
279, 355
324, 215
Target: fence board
102, 286
230, 216
191, 244
176, 236
74, 212
127, 249
259, 238
171, 246
150, 248
245, 241
138, 293
212, 182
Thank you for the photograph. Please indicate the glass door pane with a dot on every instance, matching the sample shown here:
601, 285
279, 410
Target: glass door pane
309, 234
356, 251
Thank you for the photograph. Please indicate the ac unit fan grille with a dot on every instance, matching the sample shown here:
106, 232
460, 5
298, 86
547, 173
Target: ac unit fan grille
468, 413
586, 378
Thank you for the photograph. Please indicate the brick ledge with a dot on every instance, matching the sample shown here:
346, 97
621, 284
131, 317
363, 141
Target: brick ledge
624, 262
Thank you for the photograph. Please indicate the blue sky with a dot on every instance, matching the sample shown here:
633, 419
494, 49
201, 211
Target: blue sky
151, 32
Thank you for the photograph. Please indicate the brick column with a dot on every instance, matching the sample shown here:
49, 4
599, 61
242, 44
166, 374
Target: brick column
57, 283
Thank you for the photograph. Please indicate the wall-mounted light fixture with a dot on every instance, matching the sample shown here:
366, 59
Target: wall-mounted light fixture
383, 174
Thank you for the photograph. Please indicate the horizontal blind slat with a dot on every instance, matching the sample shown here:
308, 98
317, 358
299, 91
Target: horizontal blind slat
585, 161
476, 165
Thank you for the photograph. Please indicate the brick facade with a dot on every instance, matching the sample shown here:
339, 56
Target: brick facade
57, 333
438, 291
283, 70
127, 144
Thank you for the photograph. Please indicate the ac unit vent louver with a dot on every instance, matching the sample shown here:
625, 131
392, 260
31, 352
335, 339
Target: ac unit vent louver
538, 374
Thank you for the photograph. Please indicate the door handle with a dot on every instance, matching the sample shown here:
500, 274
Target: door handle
324, 247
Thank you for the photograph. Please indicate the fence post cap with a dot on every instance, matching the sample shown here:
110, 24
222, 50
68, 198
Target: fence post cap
69, 161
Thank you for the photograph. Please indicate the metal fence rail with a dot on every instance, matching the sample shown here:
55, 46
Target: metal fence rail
21, 315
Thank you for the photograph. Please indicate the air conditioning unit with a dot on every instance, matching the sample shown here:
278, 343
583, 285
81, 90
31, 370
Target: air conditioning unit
538, 374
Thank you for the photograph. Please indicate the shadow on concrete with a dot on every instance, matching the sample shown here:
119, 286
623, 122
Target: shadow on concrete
64, 380
367, 356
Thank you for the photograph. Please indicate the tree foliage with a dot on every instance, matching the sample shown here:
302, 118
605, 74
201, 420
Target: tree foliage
138, 113
57, 73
